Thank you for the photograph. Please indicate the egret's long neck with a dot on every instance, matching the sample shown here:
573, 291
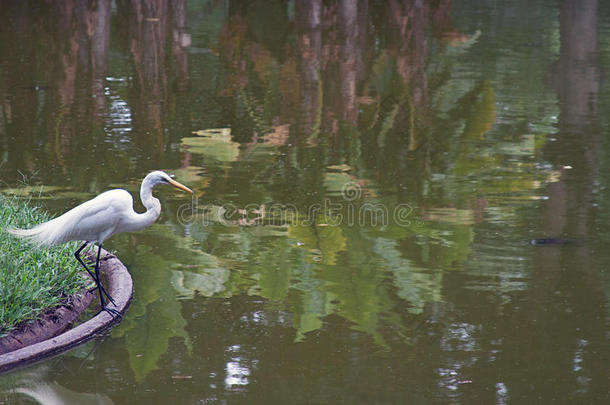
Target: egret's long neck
153, 206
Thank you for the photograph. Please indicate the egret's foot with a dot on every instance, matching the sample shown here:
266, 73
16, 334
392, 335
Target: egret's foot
113, 312
109, 297
91, 290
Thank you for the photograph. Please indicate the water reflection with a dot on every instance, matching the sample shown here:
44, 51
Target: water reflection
569, 209
33, 385
61, 99
367, 177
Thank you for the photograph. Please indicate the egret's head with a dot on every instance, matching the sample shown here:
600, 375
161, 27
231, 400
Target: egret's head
159, 177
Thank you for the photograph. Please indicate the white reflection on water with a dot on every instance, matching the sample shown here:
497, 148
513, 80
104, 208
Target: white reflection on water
501, 394
120, 115
237, 372
457, 340
582, 380
35, 384
119, 122
459, 337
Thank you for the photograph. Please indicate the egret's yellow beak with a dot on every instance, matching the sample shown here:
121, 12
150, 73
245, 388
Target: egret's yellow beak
180, 186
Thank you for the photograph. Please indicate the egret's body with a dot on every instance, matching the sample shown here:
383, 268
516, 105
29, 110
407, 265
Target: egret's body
99, 218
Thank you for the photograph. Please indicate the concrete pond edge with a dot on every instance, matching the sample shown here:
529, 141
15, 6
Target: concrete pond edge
118, 284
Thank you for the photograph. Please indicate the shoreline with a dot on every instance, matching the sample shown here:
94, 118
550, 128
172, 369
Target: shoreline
47, 339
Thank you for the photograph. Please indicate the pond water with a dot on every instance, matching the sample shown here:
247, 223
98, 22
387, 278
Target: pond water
368, 177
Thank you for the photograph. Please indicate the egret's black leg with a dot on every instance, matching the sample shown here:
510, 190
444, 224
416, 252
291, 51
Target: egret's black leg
98, 283
77, 255
101, 287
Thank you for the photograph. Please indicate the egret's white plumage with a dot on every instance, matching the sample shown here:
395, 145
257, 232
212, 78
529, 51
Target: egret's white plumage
94, 220
101, 217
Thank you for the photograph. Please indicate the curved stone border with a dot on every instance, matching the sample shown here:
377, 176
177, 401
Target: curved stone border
119, 285
52, 323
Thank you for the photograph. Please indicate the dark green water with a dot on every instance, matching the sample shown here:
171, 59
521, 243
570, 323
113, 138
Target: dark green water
367, 176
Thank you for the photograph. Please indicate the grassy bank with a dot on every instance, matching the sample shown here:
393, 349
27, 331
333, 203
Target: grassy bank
31, 279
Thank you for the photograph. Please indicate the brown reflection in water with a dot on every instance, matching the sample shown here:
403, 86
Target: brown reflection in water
409, 21
17, 104
152, 27
83, 41
351, 72
440, 18
55, 93
60, 77
147, 36
345, 23
568, 212
577, 83
308, 16
181, 40
99, 26
326, 76
231, 39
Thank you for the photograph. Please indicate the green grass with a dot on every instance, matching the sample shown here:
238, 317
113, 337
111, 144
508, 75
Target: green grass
32, 279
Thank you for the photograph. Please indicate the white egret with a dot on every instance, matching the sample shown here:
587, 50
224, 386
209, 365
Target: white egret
98, 219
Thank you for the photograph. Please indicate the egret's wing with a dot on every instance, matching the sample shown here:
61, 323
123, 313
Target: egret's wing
87, 221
